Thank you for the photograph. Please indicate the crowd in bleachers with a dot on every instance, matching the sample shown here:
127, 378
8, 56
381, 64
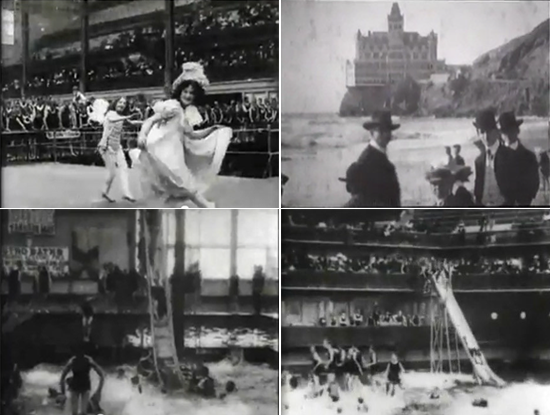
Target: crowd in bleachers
136, 57
459, 230
47, 114
404, 264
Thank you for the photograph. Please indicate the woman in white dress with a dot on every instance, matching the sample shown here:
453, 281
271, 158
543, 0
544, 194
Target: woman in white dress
177, 161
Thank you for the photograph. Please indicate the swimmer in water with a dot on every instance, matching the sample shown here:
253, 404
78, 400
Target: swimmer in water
393, 374
320, 367
80, 383
354, 369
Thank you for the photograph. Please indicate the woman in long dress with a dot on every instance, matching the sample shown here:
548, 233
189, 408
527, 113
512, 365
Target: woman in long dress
177, 161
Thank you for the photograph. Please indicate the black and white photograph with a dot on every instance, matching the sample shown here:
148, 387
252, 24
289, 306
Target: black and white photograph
139, 312
140, 103
424, 311
415, 103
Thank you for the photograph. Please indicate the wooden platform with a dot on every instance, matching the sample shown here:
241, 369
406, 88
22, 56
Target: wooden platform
53, 185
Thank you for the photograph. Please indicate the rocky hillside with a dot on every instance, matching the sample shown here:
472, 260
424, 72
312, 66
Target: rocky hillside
512, 77
525, 57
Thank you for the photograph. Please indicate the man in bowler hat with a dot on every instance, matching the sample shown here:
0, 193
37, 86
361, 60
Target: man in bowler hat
372, 179
524, 177
492, 174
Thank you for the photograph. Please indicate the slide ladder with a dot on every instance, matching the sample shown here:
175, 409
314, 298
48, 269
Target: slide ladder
165, 357
483, 373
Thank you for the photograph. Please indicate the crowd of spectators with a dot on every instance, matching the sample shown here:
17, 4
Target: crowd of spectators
135, 57
123, 285
395, 264
459, 230
48, 114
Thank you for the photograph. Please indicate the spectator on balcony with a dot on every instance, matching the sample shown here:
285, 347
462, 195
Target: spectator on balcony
258, 284
14, 281
358, 318
234, 292
87, 315
343, 320
44, 281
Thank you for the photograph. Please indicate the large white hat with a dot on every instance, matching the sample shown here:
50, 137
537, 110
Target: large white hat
191, 71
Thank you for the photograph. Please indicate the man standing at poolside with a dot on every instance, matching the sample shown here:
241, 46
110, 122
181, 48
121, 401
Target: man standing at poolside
372, 179
492, 168
525, 180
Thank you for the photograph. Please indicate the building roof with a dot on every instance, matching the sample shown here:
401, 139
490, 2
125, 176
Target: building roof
395, 12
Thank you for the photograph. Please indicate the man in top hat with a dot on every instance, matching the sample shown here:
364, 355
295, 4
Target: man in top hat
523, 162
448, 185
492, 169
372, 179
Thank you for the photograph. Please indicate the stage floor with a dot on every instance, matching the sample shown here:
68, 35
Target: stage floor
53, 185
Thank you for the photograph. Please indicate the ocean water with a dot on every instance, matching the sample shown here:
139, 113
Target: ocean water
455, 396
316, 149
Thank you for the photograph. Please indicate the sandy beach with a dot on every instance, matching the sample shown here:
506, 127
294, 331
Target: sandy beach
318, 148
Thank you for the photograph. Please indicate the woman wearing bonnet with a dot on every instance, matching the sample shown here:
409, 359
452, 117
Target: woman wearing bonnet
177, 161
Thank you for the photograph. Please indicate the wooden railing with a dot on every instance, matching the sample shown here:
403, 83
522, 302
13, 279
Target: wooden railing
79, 147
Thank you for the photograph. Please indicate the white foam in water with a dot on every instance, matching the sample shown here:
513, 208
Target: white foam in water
455, 395
256, 394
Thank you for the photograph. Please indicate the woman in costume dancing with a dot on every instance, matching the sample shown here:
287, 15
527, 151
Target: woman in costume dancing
110, 147
177, 161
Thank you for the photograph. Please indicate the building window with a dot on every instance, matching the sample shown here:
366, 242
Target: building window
225, 241
257, 242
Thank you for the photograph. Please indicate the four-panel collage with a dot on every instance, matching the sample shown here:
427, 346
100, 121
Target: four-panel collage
275, 207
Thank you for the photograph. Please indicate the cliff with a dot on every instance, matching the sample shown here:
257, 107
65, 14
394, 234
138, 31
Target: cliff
514, 76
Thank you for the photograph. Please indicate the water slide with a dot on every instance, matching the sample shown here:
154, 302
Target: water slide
164, 353
483, 373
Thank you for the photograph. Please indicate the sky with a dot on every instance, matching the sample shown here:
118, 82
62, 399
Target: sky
318, 36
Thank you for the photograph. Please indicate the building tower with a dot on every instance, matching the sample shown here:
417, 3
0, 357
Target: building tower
395, 23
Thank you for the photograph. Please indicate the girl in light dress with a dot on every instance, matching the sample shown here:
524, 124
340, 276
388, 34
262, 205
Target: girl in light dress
110, 145
177, 161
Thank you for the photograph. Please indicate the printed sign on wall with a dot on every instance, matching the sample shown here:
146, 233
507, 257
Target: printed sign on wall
32, 221
30, 259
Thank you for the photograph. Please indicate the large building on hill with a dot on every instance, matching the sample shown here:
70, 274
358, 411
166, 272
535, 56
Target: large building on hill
387, 57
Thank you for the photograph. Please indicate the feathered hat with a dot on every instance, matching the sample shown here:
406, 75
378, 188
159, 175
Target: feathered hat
191, 71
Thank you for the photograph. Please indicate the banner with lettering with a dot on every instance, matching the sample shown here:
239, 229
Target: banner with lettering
31, 221
30, 259
63, 135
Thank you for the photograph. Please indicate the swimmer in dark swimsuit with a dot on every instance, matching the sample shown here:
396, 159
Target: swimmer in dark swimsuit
353, 367
80, 383
370, 367
320, 367
393, 374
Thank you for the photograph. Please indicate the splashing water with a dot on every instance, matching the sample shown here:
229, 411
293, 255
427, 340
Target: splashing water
257, 393
452, 395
